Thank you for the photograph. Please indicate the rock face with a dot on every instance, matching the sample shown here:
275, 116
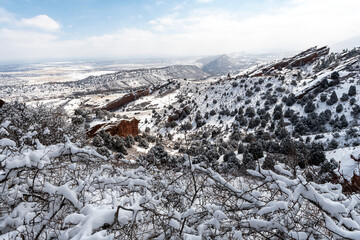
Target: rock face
1, 103
118, 103
126, 99
123, 128
303, 58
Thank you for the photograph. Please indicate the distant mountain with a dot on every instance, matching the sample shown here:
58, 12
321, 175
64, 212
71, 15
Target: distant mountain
207, 59
120, 81
221, 65
146, 77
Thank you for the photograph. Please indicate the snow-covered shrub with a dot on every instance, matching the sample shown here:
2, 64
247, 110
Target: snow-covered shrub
339, 108
325, 174
129, 141
249, 93
186, 126
333, 144
333, 99
355, 110
290, 100
344, 97
81, 112
114, 143
325, 116
118, 144
339, 123
77, 120
143, 143
288, 113
254, 122
256, 150
323, 97
265, 117
50, 186
334, 75
231, 164
309, 107
261, 111
157, 156
352, 90
98, 141
250, 112
241, 148
212, 112
281, 132
278, 113
24, 124
316, 154
352, 101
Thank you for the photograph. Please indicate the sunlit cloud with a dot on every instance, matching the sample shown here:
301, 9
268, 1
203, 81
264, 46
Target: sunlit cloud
42, 22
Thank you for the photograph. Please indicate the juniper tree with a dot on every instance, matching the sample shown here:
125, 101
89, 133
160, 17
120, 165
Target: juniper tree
333, 99
352, 90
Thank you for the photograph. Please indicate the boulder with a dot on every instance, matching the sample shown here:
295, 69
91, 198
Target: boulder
122, 128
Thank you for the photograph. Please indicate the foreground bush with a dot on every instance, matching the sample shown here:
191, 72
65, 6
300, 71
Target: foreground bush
64, 191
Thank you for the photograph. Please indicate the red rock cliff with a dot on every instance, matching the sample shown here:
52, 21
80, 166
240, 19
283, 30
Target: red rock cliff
122, 128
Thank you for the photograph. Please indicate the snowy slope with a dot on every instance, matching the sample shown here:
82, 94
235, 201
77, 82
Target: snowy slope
292, 94
108, 83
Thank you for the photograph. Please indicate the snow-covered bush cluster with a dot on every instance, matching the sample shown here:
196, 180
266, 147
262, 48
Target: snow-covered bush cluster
63, 190
23, 124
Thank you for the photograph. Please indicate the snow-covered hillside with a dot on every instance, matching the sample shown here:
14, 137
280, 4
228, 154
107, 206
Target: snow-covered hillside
312, 97
121, 81
272, 153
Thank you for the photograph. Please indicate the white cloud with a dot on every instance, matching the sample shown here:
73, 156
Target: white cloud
42, 22
297, 25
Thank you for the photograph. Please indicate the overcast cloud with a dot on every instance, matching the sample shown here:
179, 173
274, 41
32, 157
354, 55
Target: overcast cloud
296, 25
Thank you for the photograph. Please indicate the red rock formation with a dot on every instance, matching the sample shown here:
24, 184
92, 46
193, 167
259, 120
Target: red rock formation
94, 130
352, 186
118, 103
303, 58
125, 128
122, 128
126, 99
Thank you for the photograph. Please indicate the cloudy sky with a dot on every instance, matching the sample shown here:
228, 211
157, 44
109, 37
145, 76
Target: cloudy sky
115, 29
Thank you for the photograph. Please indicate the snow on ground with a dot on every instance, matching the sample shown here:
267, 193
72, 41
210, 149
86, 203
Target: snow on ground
348, 166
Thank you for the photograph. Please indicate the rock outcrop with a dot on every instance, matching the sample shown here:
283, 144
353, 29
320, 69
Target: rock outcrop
306, 57
122, 128
126, 99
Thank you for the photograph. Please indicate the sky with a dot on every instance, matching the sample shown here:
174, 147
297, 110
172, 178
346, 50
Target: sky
117, 29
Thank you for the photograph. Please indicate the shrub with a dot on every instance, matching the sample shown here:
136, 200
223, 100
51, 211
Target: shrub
309, 107
339, 108
344, 97
352, 90
333, 99
256, 150
250, 112
323, 97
